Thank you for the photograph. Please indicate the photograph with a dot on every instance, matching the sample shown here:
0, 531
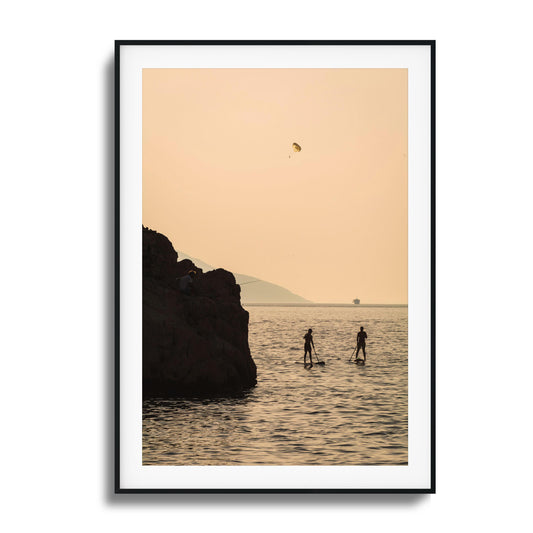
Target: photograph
275, 303
275, 266
255, 256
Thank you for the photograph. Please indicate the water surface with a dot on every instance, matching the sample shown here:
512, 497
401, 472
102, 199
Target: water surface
336, 414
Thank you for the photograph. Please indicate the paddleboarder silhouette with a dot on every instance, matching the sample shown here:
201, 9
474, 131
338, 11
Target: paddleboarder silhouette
361, 343
308, 337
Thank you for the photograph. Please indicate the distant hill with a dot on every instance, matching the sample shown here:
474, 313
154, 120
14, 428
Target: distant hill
198, 262
254, 290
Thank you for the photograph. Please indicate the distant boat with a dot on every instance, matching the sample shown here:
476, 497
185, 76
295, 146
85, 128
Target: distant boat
357, 301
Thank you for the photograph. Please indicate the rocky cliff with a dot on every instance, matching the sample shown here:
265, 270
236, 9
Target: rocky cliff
193, 344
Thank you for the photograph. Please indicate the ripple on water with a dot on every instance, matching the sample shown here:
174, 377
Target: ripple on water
333, 414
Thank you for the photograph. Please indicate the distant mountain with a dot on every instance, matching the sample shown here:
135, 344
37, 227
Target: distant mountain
198, 262
254, 290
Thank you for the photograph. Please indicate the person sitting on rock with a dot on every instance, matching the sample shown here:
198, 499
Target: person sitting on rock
308, 337
185, 282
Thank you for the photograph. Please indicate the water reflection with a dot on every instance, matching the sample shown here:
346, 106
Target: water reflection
337, 414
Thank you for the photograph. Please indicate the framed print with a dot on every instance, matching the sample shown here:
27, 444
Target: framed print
275, 283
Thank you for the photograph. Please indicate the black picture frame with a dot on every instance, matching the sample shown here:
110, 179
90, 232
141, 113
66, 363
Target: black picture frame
119, 46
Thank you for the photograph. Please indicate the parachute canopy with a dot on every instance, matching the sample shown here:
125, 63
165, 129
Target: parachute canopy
296, 147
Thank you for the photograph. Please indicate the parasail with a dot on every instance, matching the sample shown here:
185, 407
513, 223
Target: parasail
296, 147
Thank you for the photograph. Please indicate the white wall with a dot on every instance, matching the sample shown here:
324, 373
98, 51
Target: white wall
56, 269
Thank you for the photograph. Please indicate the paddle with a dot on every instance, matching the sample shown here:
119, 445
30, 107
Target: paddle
350, 360
318, 361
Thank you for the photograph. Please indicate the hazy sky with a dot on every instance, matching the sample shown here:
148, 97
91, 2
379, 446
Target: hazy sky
328, 223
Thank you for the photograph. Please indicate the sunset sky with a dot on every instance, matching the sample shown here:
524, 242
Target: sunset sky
328, 223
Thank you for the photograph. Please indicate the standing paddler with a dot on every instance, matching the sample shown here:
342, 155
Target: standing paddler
361, 343
308, 337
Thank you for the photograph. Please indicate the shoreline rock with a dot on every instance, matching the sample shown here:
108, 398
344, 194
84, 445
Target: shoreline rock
197, 344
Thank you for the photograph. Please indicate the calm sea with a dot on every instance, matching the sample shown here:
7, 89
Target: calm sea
336, 414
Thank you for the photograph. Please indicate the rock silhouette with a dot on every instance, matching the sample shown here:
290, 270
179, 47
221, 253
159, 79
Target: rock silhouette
193, 344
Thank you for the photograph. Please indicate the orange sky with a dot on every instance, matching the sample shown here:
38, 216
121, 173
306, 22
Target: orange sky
328, 223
